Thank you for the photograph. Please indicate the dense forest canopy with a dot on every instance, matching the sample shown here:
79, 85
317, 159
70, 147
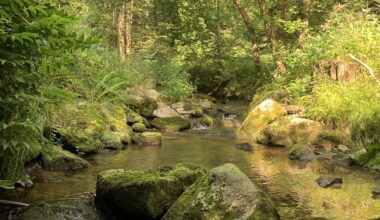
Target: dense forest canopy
54, 53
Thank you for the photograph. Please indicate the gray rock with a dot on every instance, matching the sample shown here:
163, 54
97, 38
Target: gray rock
326, 181
301, 152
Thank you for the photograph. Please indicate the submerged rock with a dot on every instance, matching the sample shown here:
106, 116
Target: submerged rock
172, 124
147, 138
79, 209
245, 145
326, 181
144, 194
54, 158
260, 116
301, 152
376, 192
224, 193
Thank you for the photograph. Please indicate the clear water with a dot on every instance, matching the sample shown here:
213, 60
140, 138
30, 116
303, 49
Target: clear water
291, 185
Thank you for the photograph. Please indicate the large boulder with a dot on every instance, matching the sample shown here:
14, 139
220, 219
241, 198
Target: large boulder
288, 131
259, 117
143, 101
146, 194
54, 158
133, 117
224, 193
147, 138
79, 209
172, 124
80, 126
116, 117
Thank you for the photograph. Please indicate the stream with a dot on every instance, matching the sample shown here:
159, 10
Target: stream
290, 184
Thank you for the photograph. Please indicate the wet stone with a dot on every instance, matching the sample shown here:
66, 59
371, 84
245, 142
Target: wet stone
329, 181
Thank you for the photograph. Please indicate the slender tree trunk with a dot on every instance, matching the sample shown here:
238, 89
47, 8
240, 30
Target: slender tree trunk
251, 32
305, 20
218, 37
121, 32
128, 27
271, 35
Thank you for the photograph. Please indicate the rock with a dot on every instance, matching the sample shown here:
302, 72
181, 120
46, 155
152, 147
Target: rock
116, 117
293, 109
342, 148
139, 127
346, 161
182, 108
326, 181
172, 124
228, 123
115, 140
197, 112
54, 158
143, 102
207, 120
24, 182
301, 152
245, 145
147, 138
376, 192
288, 131
79, 209
133, 117
165, 112
280, 96
260, 116
224, 193
146, 194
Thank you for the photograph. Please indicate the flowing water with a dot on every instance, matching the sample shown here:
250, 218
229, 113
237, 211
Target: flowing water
290, 184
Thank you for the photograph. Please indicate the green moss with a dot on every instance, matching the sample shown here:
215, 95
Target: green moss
133, 117
147, 138
55, 158
112, 140
145, 194
197, 112
171, 124
301, 152
139, 127
259, 117
207, 120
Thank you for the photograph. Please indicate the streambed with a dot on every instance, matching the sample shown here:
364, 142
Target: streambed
291, 184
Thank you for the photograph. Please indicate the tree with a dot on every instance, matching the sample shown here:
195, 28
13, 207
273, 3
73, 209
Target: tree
251, 32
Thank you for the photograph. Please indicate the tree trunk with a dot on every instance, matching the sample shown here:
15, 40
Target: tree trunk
251, 32
305, 20
271, 35
121, 32
128, 27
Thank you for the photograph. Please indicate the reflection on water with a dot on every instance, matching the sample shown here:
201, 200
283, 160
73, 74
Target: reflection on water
291, 185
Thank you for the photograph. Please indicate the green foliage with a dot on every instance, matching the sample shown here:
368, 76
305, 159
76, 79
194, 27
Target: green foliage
355, 106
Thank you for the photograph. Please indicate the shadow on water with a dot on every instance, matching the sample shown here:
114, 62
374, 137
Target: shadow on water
291, 185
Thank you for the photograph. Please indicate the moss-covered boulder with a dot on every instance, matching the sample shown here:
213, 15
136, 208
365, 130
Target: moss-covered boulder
133, 117
139, 127
172, 124
54, 158
259, 117
370, 158
80, 209
288, 131
116, 117
207, 120
146, 194
115, 140
302, 152
147, 138
224, 193
81, 126
144, 102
